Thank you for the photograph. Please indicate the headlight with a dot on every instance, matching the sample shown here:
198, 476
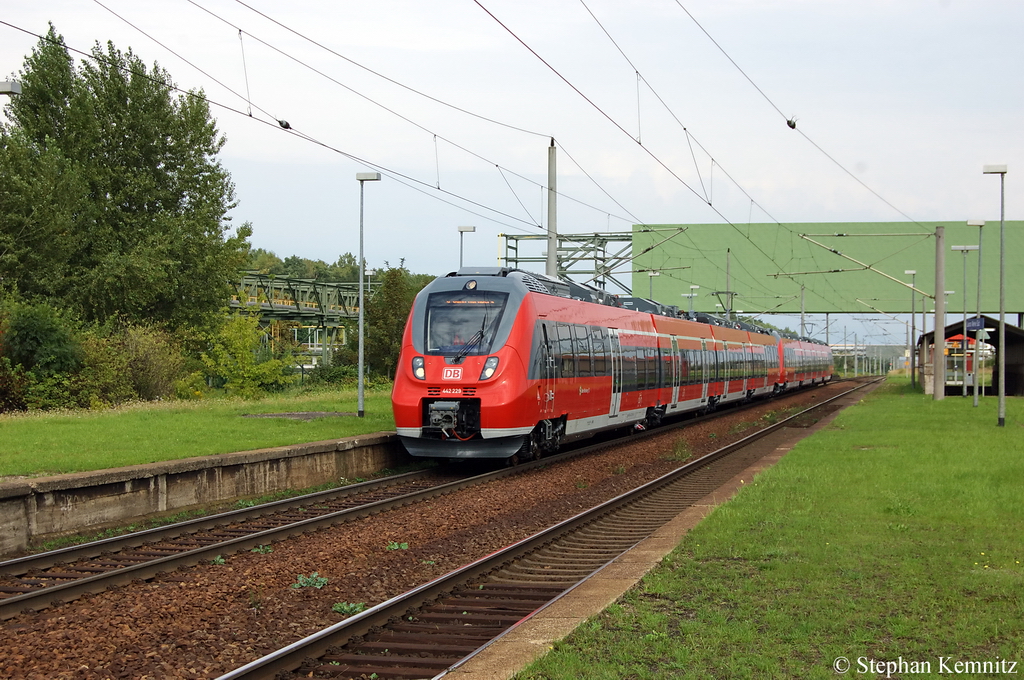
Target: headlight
417, 368
490, 366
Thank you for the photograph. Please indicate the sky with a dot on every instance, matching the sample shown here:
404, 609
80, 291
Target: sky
663, 111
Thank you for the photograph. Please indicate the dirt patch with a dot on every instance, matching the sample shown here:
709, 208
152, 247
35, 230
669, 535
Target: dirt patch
301, 415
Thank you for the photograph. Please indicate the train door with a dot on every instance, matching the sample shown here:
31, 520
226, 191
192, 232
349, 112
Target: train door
748, 361
705, 371
615, 354
675, 370
725, 369
547, 374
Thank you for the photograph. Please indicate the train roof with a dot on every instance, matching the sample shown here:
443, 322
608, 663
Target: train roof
563, 287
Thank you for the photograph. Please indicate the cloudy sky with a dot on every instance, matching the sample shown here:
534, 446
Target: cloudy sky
663, 111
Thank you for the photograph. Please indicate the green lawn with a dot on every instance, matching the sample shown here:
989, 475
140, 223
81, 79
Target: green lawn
894, 535
54, 443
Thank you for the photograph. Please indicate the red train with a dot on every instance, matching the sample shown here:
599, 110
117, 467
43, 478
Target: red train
499, 362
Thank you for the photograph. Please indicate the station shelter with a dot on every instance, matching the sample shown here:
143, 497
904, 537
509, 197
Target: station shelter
960, 358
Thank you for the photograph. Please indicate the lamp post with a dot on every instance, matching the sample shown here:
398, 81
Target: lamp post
10, 87
462, 231
963, 340
980, 224
1001, 171
912, 350
362, 177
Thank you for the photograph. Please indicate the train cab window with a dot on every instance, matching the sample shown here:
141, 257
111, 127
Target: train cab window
463, 321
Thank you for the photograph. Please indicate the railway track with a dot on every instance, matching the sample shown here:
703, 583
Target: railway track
437, 626
39, 581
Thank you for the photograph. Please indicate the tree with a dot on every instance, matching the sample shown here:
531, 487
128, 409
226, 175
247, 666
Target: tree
386, 314
140, 212
293, 266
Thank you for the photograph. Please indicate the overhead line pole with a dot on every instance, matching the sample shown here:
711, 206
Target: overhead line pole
939, 355
551, 266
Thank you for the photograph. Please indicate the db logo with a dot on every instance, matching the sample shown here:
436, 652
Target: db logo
452, 373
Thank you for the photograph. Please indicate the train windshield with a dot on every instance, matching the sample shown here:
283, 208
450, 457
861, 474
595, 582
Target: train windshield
463, 322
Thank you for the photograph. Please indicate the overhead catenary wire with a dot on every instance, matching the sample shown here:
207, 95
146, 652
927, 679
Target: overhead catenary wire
689, 136
706, 197
434, 134
287, 126
291, 130
245, 71
790, 121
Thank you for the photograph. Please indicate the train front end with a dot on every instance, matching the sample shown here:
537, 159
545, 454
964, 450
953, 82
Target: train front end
461, 380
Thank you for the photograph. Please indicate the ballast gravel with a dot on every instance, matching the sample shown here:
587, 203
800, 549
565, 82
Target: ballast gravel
206, 620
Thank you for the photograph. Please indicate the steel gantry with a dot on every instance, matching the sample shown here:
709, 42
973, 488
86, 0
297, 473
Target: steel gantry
314, 309
585, 255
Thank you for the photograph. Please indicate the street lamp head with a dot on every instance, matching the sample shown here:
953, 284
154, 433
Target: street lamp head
10, 87
975, 223
694, 287
651, 272
466, 230
368, 176
963, 248
910, 271
994, 170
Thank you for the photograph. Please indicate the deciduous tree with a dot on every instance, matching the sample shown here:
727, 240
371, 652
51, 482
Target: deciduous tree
127, 167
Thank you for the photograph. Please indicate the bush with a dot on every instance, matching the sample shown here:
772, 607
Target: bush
192, 386
102, 380
154, 362
338, 374
13, 387
238, 355
40, 339
334, 372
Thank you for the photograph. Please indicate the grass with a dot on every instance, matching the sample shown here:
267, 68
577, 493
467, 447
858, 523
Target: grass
40, 443
893, 534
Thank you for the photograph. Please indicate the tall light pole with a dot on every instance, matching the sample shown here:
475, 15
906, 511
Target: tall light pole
1001, 171
939, 355
912, 349
362, 177
693, 294
462, 231
963, 340
980, 224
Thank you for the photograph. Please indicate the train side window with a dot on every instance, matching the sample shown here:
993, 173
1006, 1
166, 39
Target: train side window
566, 350
541, 352
628, 369
641, 368
652, 366
599, 348
583, 361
